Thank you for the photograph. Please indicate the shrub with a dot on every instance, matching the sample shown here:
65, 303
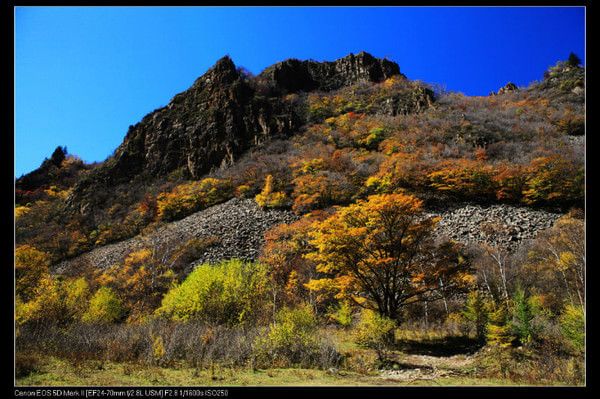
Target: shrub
191, 250
374, 331
105, 307
55, 301
158, 349
573, 60
270, 199
227, 292
142, 279
573, 125
292, 340
376, 136
554, 180
464, 178
321, 189
243, 191
342, 314
26, 363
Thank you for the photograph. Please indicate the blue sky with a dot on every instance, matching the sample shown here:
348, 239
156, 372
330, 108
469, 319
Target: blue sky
84, 74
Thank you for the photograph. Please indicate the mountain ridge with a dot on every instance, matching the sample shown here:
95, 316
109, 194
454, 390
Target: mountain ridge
222, 115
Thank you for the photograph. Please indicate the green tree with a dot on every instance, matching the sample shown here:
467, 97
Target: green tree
227, 292
572, 324
499, 327
523, 314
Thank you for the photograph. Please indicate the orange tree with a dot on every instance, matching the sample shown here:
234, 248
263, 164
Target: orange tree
380, 254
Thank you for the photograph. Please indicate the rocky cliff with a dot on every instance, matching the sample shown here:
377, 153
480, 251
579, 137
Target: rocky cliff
293, 75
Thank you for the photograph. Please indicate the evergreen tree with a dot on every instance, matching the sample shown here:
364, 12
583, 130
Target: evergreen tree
574, 60
477, 310
499, 327
522, 317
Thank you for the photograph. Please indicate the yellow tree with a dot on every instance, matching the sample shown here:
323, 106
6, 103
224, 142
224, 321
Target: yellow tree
31, 266
380, 254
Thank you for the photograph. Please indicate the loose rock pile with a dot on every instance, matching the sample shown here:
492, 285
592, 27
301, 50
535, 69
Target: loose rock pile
238, 226
502, 225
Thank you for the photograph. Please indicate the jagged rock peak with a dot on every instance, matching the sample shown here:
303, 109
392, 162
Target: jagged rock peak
224, 71
293, 75
507, 88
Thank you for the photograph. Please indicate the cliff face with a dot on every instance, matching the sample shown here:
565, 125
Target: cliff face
222, 115
206, 126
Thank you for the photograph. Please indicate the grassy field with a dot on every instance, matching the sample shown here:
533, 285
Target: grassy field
417, 359
57, 372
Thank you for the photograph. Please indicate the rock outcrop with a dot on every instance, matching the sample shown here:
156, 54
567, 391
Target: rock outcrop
507, 88
293, 75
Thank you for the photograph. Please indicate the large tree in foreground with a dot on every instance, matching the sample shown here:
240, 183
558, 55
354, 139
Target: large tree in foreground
380, 254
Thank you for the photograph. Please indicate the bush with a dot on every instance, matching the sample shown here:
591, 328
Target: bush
105, 307
374, 331
342, 314
270, 199
376, 136
554, 180
292, 340
154, 342
228, 292
31, 265
56, 301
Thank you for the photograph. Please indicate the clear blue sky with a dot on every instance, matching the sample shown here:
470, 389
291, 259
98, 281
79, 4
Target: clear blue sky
84, 74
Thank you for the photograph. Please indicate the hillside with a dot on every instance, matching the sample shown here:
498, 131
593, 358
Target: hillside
375, 217
358, 131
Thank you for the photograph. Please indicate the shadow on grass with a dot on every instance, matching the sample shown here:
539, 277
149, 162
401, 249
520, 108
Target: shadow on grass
447, 346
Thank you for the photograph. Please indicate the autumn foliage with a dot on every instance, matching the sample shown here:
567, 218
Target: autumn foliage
187, 198
378, 253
